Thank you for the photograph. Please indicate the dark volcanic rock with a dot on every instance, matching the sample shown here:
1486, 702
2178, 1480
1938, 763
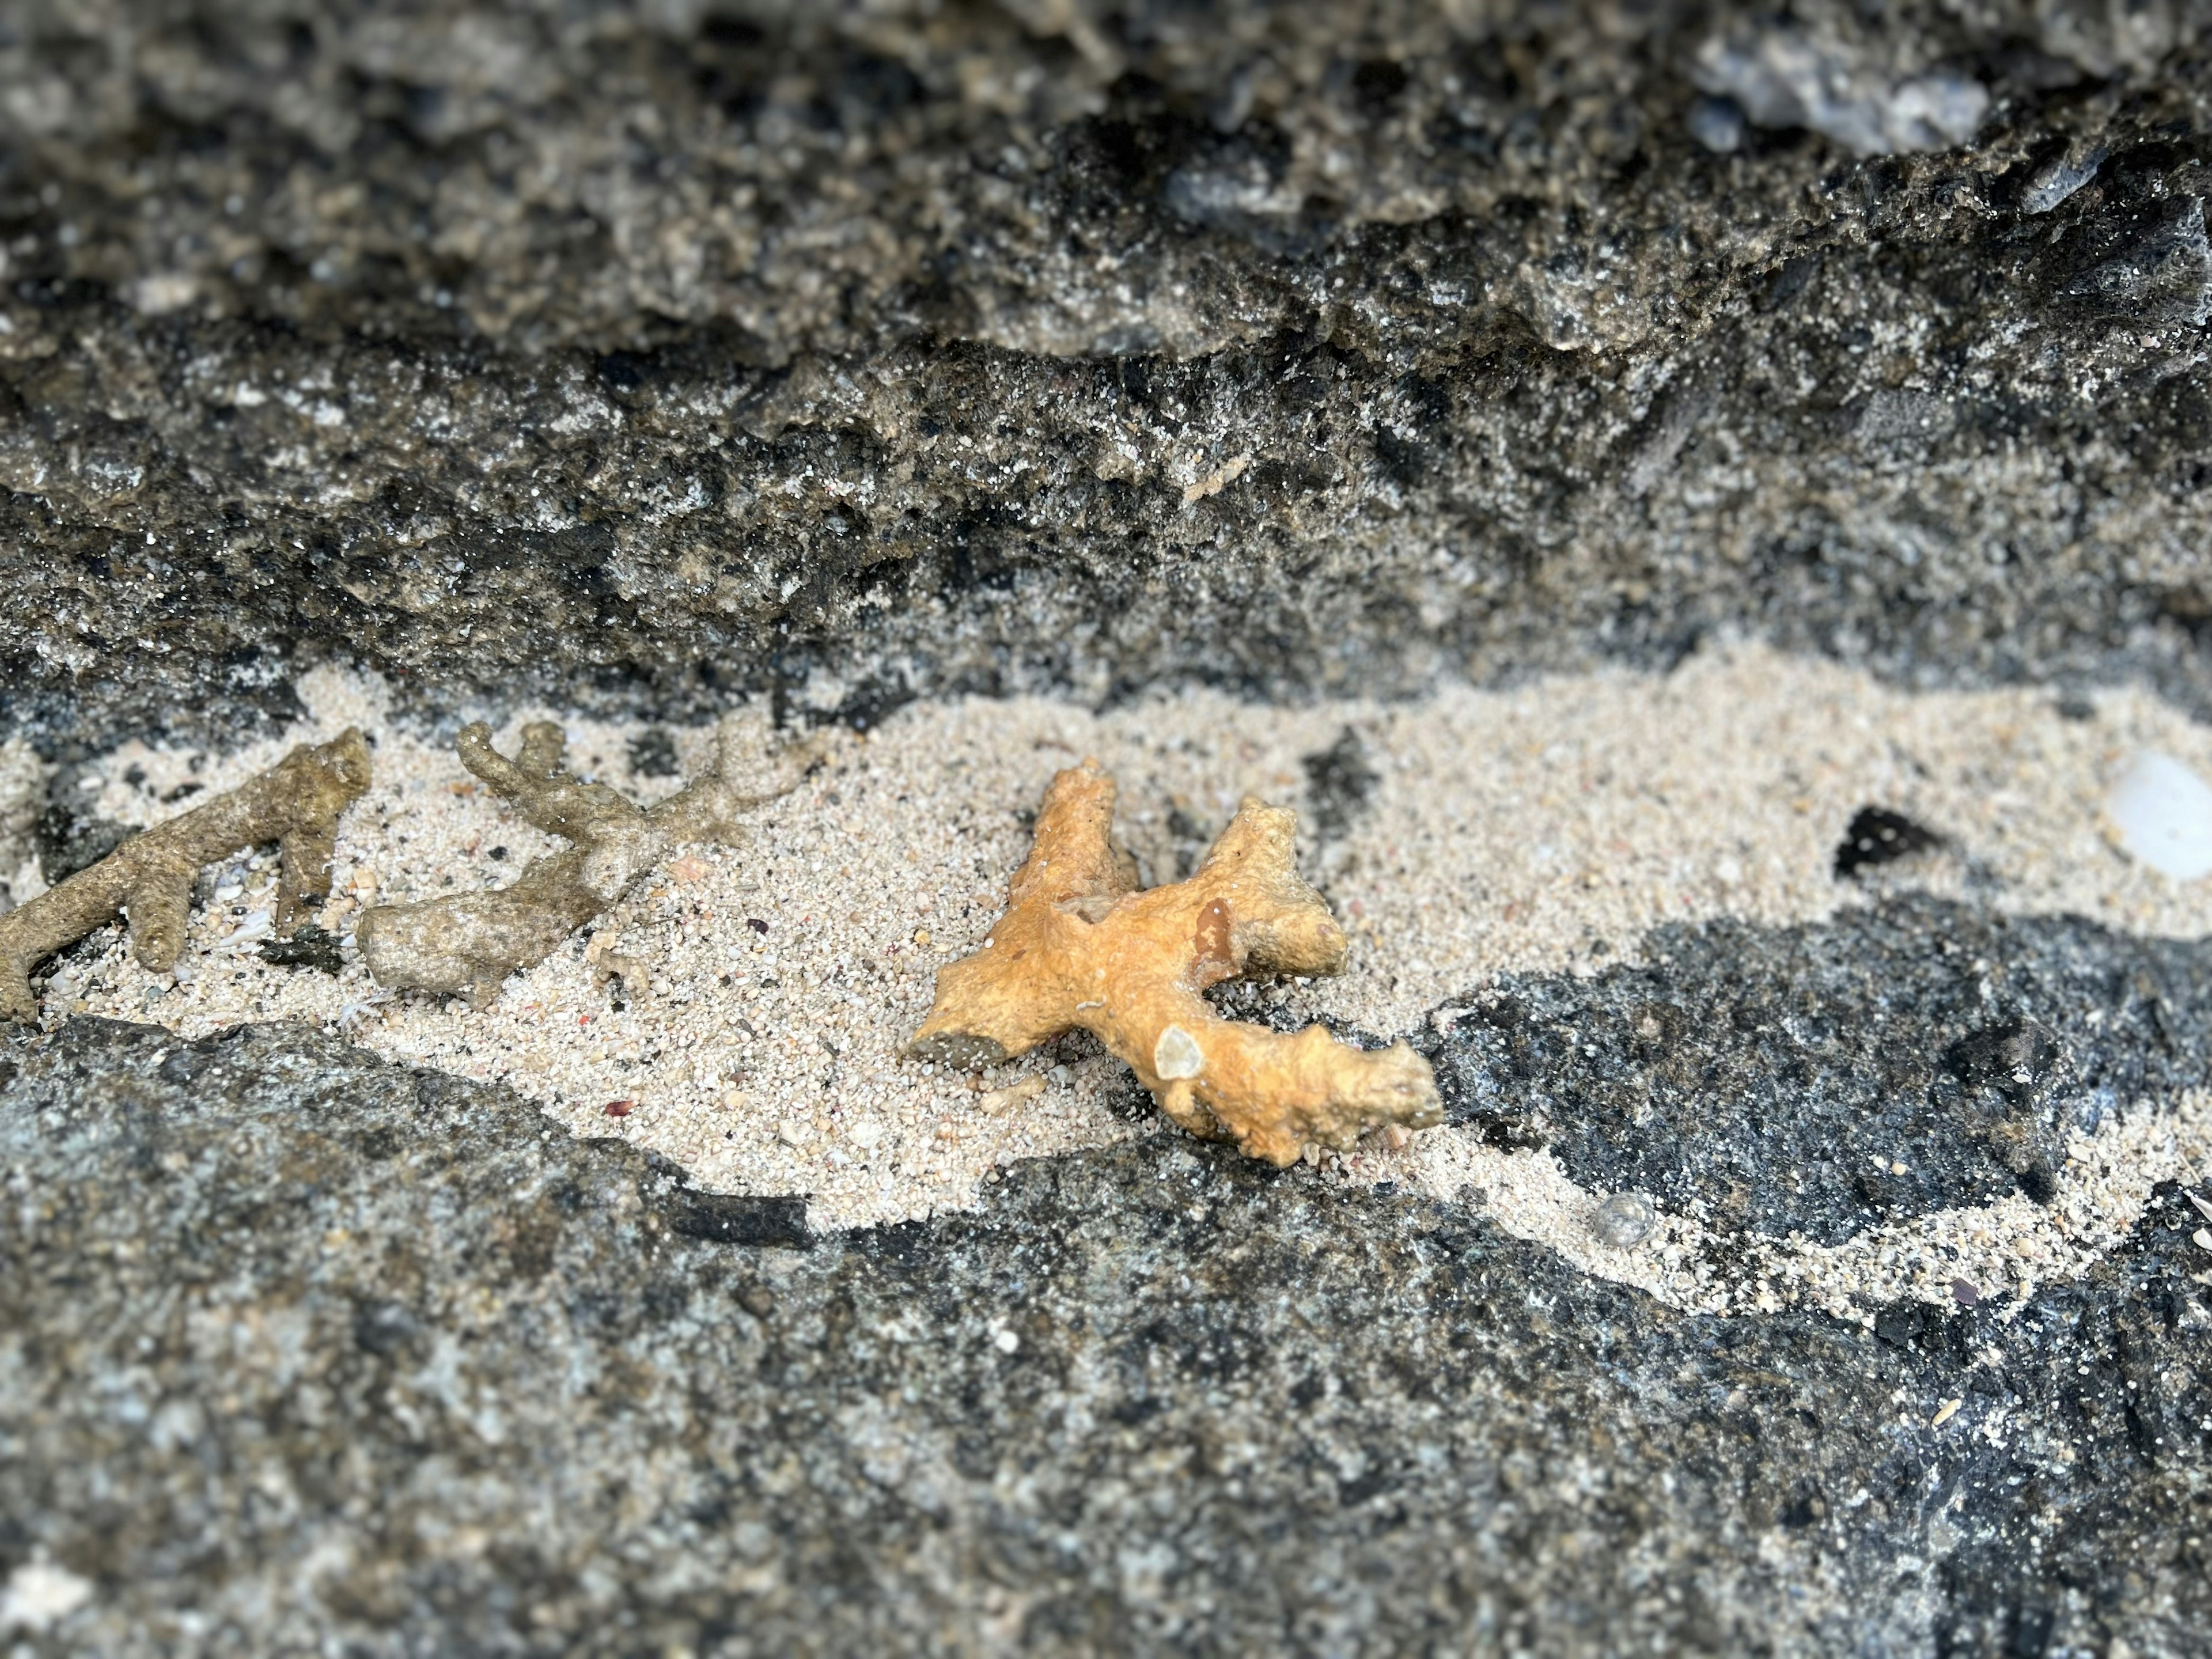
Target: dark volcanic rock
1877, 836
298, 1350
1775, 1078
635, 354
68, 836
311, 946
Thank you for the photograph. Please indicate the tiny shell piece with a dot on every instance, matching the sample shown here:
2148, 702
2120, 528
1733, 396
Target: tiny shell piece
1176, 1055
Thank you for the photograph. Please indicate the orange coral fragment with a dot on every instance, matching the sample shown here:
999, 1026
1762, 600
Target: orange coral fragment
1081, 945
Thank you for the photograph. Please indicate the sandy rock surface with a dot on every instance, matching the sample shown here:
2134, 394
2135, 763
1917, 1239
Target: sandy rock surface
1702, 511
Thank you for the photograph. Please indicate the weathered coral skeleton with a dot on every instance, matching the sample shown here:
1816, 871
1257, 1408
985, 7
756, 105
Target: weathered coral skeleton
468, 943
1080, 945
150, 877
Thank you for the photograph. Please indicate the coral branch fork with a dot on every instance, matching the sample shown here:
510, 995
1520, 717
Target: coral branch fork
1081, 945
297, 804
469, 942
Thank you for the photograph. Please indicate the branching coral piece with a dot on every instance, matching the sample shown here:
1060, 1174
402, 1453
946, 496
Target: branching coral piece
295, 803
472, 941
1079, 946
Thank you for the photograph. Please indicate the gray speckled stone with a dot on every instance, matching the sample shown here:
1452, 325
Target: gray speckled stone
303, 1351
638, 354
1776, 1077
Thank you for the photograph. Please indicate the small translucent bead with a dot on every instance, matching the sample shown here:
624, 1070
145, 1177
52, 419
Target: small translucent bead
1625, 1220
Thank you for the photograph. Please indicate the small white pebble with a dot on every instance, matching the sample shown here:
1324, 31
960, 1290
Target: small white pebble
1005, 1341
1176, 1055
1945, 1413
38, 1593
995, 1101
2162, 812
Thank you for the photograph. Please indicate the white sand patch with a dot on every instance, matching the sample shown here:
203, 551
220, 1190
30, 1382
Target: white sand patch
1998, 1252
1544, 828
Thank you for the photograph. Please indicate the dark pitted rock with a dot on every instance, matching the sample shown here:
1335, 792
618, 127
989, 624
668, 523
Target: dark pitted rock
1877, 836
1775, 1078
639, 354
300, 1349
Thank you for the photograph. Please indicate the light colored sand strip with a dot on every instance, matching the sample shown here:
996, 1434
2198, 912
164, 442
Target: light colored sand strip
1542, 828
2003, 1250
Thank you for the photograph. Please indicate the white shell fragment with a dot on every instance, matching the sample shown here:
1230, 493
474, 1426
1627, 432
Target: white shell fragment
38, 1592
2161, 812
1625, 1220
1176, 1055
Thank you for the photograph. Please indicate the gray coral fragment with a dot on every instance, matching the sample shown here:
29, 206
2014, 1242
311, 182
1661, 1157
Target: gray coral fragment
296, 803
469, 942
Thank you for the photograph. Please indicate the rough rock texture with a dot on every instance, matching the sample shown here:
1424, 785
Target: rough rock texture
1778, 1076
298, 1350
639, 351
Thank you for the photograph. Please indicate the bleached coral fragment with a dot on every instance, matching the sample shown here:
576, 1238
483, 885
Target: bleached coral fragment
469, 942
1080, 945
297, 804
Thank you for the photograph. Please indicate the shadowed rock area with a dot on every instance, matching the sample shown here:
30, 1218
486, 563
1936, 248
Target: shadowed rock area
302, 1349
635, 353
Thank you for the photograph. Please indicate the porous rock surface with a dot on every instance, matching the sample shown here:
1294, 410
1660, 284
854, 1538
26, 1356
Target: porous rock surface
637, 351
302, 1351
1778, 1079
